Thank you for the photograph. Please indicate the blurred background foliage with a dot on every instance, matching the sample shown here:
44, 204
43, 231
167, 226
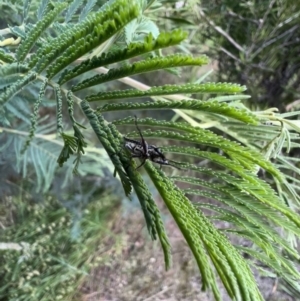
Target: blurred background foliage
72, 218
254, 43
263, 55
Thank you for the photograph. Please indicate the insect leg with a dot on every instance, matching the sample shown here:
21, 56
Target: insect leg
141, 164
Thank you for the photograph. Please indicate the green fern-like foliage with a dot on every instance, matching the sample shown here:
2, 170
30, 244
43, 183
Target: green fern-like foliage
252, 207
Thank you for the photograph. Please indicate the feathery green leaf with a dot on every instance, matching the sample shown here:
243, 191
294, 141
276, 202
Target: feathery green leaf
43, 7
37, 30
72, 9
17, 86
19, 108
101, 131
138, 28
100, 33
26, 7
20, 31
87, 9
196, 105
291, 278
34, 116
206, 242
6, 57
59, 114
13, 68
243, 190
149, 44
169, 90
248, 209
11, 73
111, 17
151, 64
151, 212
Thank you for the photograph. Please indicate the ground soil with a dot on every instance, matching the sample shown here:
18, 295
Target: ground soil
129, 266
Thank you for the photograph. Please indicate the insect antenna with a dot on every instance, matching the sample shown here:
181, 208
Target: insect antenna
135, 121
175, 164
144, 143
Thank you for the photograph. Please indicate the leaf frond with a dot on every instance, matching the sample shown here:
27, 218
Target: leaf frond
110, 147
19, 107
291, 278
17, 86
20, 31
169, 90
151, 212
245, 191
241, 201
37, 30
196, 105
11, 73
42, 10
5, 57
149, 44
59, 114
201, 235
205, 137
84, 36
107, 136
34, 116
72, 10
100, 34
13, 68
151, 64
26, 7
256, 224
87, 9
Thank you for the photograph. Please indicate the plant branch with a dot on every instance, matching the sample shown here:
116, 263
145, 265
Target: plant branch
221, 31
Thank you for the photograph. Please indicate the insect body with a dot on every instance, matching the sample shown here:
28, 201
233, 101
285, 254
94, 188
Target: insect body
141, 149
151, 152
136, 148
